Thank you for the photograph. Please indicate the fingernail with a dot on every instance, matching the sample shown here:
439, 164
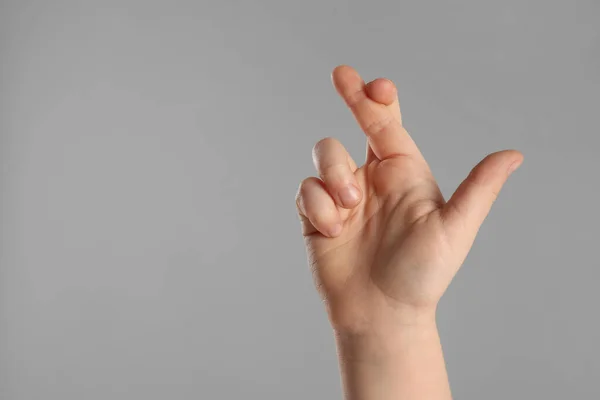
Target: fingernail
513, 167
349, 196
336, 230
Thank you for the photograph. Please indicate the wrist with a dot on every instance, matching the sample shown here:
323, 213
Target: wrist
382, 322
402, 362
381, 344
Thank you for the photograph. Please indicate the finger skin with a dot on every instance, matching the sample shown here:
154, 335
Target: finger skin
333, 166
384, 91
473, 199
317, 209
387, 136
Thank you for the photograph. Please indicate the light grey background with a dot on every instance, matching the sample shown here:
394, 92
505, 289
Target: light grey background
150, 155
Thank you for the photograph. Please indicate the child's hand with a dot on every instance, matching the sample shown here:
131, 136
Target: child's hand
382, 241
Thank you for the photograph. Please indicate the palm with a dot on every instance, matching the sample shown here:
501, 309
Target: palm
396, 241
384, 237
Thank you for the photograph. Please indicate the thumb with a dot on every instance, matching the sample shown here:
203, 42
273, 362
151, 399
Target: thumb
470, 204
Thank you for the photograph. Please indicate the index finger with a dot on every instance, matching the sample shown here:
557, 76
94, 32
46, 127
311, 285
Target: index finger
387, 137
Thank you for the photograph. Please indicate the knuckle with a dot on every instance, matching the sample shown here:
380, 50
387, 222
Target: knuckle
322, 217
323, 144
318, 220
378, 126
298, 200
354, 98
335, 176
301, 192
304, 186
476, 180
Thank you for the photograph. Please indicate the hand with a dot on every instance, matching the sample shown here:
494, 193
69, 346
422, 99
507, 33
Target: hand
382, 242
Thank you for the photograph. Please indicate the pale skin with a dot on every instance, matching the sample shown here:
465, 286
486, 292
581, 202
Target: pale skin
384, 244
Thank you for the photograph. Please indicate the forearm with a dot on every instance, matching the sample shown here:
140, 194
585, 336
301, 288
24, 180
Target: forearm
404, 363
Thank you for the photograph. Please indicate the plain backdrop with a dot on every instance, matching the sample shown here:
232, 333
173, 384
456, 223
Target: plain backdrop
150, 155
